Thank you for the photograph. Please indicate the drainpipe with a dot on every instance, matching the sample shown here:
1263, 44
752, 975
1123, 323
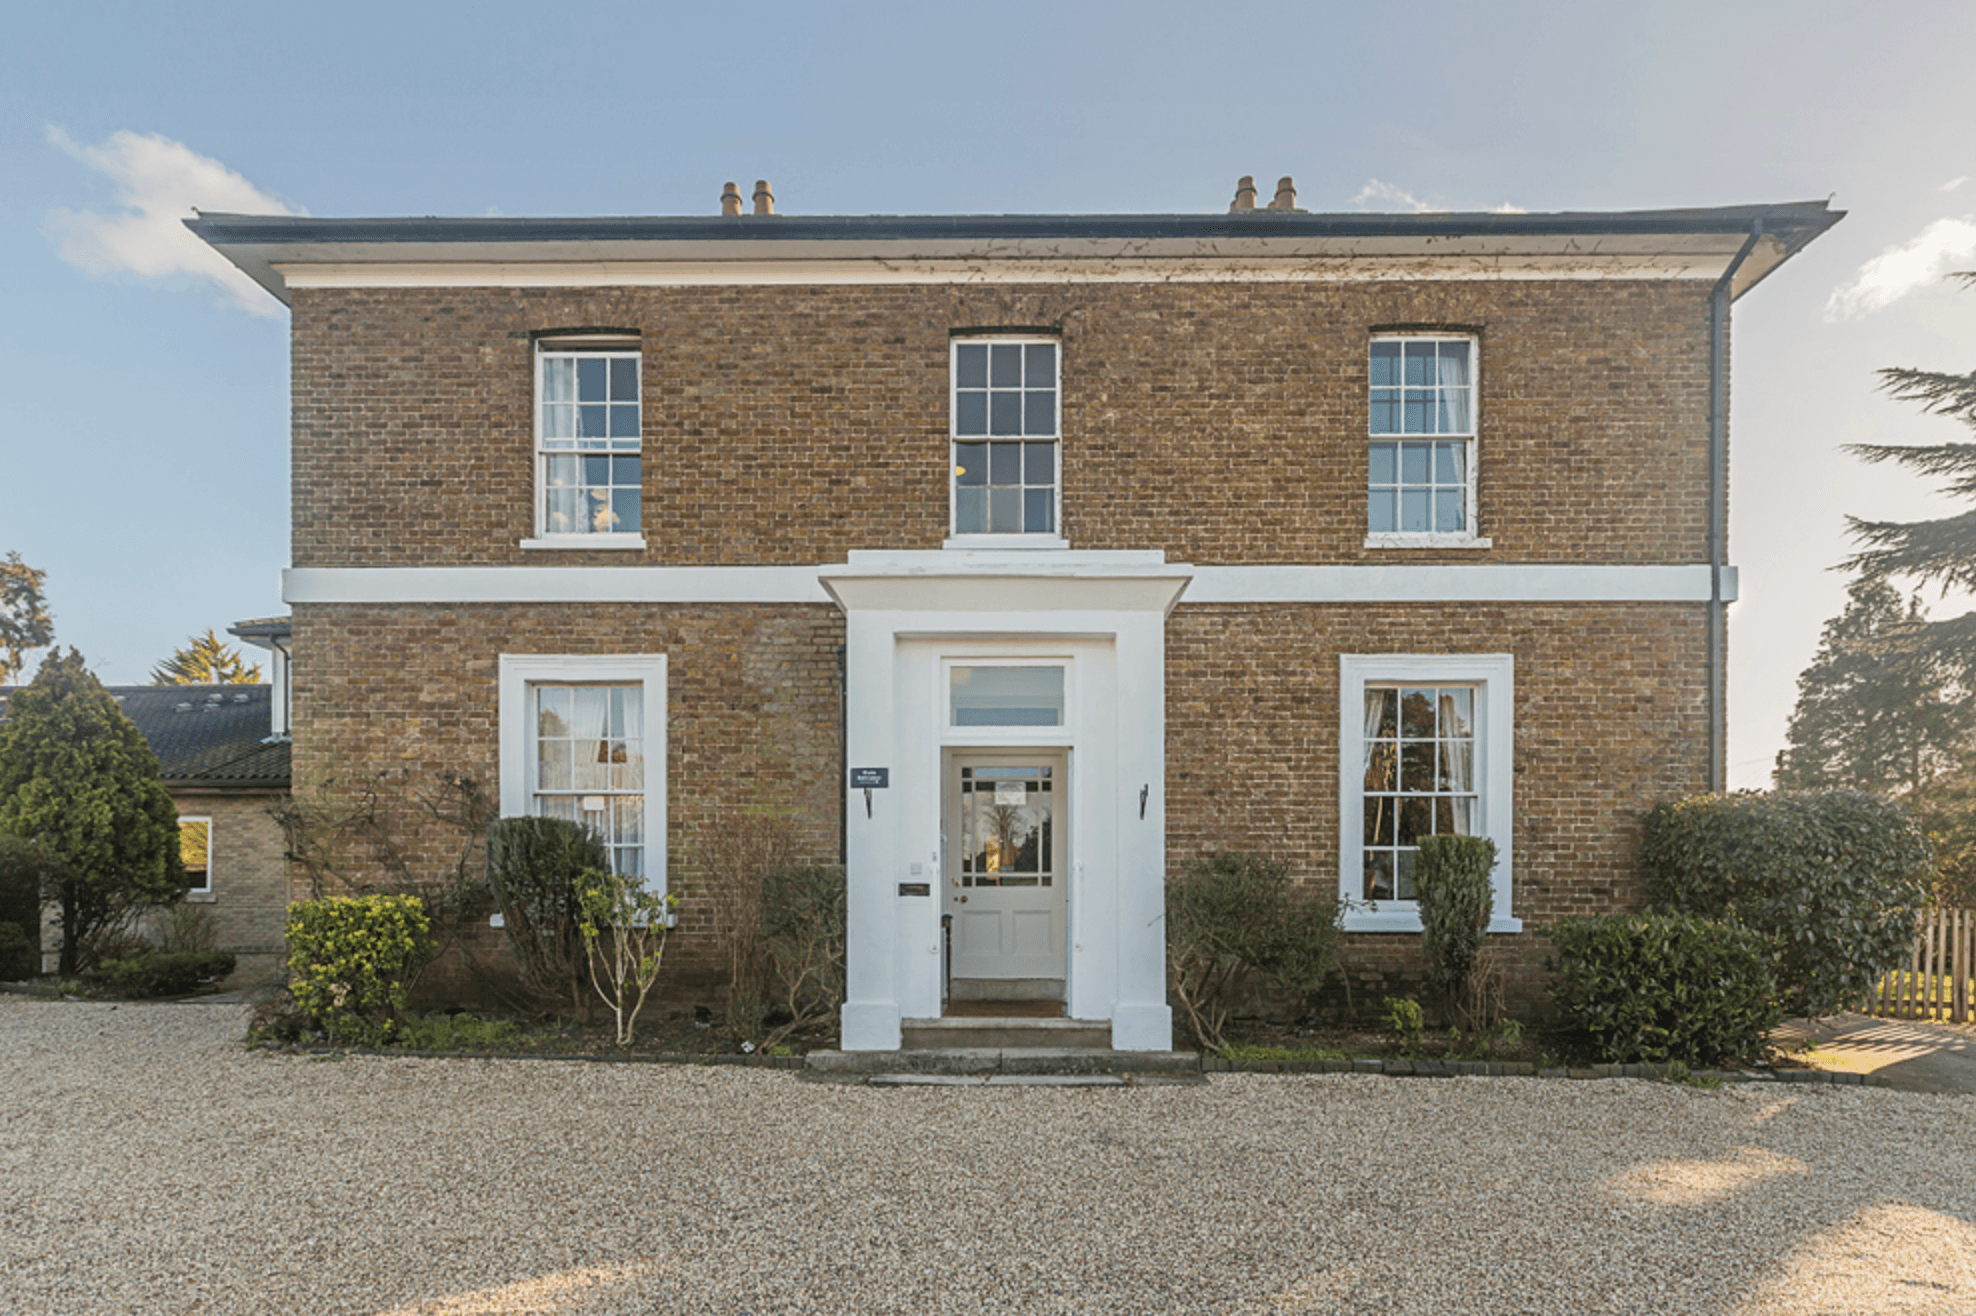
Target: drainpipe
1718, 511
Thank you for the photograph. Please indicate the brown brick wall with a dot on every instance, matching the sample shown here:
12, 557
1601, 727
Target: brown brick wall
249, 903
1221, 423
1610, 718
752, 717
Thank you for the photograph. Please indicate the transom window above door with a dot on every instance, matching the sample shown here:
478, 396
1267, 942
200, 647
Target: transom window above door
1005, 696
1006, 437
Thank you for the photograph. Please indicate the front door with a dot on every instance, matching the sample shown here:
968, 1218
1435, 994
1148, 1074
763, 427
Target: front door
1008, 851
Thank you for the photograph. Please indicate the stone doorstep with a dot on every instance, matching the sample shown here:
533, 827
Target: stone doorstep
977, 1062
1003, 1033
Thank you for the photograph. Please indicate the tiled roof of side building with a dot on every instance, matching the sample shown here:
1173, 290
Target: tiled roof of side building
205, 735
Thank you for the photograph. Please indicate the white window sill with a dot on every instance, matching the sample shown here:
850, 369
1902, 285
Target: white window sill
200, 898
1402, 916
1006, 541
611, 540
1396, 539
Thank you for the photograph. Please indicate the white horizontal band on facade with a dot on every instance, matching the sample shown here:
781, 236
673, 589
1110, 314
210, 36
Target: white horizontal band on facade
1463, 583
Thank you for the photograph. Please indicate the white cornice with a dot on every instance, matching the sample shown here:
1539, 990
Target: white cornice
996, 580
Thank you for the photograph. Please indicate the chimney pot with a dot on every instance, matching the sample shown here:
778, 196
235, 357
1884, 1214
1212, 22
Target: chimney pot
730, 199
1245, 195
764, 199
1286, 195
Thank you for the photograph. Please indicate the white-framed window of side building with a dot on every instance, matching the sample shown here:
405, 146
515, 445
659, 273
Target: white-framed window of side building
195, 856
1423, 424
589, 458
1426, 746
1006, 442
583, 737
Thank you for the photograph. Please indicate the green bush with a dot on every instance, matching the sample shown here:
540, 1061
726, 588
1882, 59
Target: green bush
533, 869
803, 928
1658, 988
349, 958
26, 869
1834, 877
1451, 882
1237, 915
159, 973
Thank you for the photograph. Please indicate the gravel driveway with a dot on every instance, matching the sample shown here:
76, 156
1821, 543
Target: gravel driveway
149, 1164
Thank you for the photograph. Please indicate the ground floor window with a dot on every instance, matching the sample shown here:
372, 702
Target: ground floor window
1424, 750
195, 855
583, 738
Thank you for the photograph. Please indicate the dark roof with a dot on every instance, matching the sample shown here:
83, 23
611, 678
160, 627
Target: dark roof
205, 736
261, 627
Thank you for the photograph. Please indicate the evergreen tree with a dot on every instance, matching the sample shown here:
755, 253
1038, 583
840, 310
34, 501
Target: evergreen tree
77, 776
205, 660
1943, 549
24, 620
1879, 709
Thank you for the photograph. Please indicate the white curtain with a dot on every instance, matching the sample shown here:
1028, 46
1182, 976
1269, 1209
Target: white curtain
1457, 767
1451, 374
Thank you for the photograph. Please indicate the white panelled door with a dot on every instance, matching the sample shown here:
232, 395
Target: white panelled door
1008, 862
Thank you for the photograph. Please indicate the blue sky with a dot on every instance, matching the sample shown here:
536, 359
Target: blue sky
145, 444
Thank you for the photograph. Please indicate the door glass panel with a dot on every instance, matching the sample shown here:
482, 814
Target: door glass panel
1008, 824
1006, 696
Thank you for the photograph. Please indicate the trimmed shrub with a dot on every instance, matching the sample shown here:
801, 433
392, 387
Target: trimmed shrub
27, 868
1237, 915
803, 929
1834, 877
160, 973
1660, 988
534, 868
1451, 882
349, 958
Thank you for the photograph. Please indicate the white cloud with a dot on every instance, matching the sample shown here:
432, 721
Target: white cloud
1898, 271
1376, 195
1508, 208
1953, 184
159, 182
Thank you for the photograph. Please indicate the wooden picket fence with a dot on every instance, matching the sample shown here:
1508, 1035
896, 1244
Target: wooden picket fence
1936, 983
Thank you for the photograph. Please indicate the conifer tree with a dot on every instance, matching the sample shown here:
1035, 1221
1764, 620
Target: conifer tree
205, 660
24, 620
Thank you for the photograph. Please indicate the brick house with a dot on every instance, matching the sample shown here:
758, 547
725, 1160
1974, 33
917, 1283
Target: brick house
1025, 557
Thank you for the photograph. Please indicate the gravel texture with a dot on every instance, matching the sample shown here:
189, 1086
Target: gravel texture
148, 1163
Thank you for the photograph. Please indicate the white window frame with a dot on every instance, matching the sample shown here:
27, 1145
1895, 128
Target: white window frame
1493, 676
1431, 538
955, 539
518, 674
607, 346
200, 894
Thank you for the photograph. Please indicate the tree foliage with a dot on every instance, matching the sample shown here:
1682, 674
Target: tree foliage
24, 620
1879, 709
77, 776
205, 660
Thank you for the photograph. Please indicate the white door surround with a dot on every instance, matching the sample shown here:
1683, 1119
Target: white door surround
910, 618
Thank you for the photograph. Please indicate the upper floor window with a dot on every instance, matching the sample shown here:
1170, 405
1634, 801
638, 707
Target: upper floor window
1006, 438
1420, 486
589, 469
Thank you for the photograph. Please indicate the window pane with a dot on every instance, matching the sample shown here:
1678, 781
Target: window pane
625, 471
970, 511
590, 422
1458, 712
628, 819
1419, 359
1378, 877
1449, 512
1005, 413
1448, 462
1413, 463
1037, 506
1417, 765
1006, 696
624, 421
971, 365
1418, 415
1042, 371
624, 379
1416, 820
1039, 413
558, 379
625, 508
1417, 714
1384, 465
565, 511
1456, 766
564, 472
1385, 364
1039, 463
1380, 516
558, 422
1452, 363
1005, 511
1005, 463
1005, 366
971, 413
1386, 412
552, 769
1413, 510
596, 471
1385, 716
1378, 820
970, 463
1454, 413
1403, 863
590, 383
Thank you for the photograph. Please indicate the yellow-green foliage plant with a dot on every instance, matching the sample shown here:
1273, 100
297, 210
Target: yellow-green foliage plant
638, 919
350, 959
